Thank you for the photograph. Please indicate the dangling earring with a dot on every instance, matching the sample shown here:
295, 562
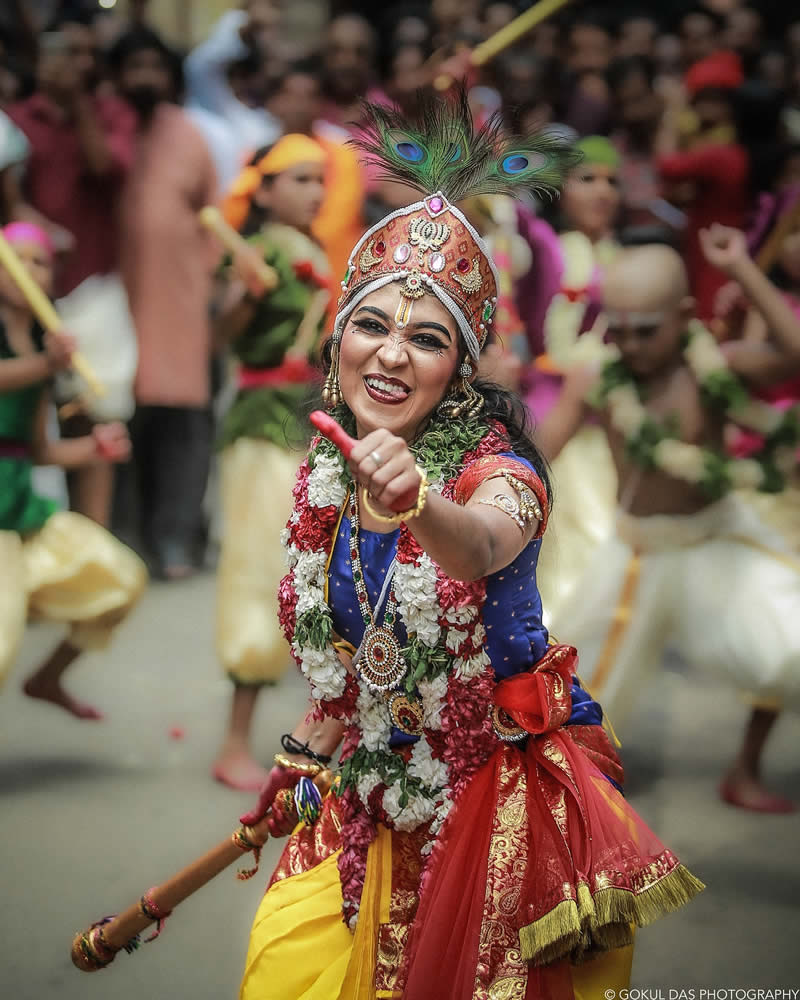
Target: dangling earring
330, 389
463, 399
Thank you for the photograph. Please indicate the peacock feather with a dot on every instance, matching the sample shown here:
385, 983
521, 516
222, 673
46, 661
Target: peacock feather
441, 150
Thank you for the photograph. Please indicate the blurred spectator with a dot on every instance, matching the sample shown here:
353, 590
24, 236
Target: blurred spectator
637, 109
453, 17
167, 265
81, 148
701, 33
744, 35
297, 104
637, 36
716, 165
218, 73
588, 45
349, 61
588, 54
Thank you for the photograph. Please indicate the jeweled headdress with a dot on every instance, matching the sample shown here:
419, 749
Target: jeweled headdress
430, 245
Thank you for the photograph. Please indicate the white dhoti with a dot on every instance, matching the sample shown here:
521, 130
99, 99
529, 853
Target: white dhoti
585, 491
718, 586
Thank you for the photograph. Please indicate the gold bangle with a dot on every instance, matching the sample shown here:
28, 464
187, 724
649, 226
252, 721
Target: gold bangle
403, 515
308, 770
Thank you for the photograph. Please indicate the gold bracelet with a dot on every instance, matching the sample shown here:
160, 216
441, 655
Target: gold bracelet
404, 515
308, 770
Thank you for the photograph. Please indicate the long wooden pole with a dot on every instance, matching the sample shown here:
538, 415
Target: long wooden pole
44, 311
507, 36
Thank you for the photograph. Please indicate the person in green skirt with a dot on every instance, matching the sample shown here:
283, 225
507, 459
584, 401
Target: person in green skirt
54, 565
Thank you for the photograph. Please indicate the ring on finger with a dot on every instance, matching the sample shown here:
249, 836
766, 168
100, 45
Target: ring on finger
376, 458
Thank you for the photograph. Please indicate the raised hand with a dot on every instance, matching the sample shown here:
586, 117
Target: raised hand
724, 247
384, 464
397, 486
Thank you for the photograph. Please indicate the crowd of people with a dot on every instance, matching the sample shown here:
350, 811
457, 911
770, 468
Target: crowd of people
609, 231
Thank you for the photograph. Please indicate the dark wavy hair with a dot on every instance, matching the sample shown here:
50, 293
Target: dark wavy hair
500, 404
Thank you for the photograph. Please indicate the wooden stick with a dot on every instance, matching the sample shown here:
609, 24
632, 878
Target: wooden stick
97, 946
212, 219
309, 325
44, 311
506, 36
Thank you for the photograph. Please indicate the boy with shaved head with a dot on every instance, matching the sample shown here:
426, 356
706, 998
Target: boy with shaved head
690, 565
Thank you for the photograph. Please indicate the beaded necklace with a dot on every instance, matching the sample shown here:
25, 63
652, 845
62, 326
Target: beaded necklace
379, 659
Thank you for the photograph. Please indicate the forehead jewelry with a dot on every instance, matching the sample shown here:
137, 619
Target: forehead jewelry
403, 315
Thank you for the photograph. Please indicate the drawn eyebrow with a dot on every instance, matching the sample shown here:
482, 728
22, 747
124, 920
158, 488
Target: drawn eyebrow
415, 326
433, 326
372, 309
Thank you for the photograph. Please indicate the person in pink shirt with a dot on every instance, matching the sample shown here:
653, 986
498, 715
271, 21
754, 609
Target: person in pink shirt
167, 262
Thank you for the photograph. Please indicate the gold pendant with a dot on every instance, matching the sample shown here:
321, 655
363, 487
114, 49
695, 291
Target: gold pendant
380, 665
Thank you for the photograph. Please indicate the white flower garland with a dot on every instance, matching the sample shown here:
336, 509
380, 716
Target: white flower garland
418, 606
690, 462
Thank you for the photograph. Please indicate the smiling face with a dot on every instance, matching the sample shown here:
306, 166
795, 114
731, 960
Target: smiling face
394, 378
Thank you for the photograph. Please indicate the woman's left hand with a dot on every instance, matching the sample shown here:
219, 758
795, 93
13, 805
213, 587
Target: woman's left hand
385, 466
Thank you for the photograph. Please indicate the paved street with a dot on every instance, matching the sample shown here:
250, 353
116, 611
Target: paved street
93, 814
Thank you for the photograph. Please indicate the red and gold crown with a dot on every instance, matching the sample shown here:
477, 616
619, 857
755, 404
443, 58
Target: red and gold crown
427, 246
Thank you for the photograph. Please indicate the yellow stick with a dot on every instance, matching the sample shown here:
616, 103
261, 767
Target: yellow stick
212, 219
507, 36
44, 311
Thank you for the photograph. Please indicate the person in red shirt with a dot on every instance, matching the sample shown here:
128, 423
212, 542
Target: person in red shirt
715, 165
81, 148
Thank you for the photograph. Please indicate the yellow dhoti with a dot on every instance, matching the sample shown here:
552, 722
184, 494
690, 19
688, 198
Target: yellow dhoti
72, 571
256, 490
301, 950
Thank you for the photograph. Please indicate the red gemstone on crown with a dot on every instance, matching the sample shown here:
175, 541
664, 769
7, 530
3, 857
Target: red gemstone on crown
380, 248
463, 265
436, 204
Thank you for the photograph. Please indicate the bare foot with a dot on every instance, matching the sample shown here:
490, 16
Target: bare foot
748, 793
238, 770
56, 695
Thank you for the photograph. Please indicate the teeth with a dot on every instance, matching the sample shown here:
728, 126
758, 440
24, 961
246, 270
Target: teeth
390, 387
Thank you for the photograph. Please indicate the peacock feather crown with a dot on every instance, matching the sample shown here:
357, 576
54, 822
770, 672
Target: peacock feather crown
429, 245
